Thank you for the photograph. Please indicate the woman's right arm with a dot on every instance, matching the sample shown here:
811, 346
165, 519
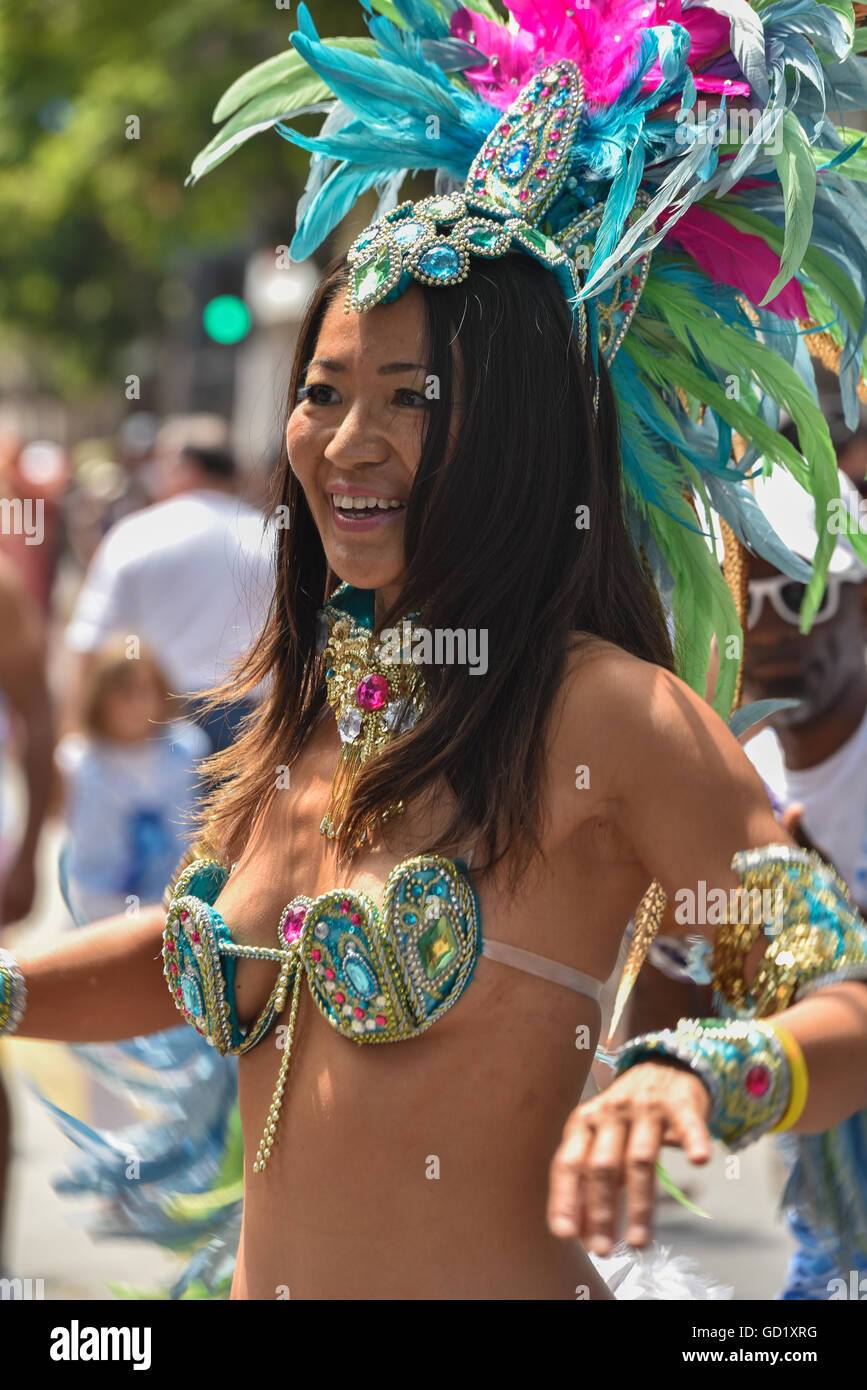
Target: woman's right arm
101, 983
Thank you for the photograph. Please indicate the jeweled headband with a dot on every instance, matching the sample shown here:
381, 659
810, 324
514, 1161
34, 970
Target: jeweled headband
518, 182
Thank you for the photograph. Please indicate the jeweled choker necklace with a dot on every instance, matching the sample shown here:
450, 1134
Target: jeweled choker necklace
373, 685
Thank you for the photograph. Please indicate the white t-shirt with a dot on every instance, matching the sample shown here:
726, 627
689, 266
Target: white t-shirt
192, 577
834, 797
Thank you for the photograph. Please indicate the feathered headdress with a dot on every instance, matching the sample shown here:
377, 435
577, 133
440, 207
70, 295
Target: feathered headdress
673, 161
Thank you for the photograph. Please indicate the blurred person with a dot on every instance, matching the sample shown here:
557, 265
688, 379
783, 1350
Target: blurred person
191, 576
25, 719
32, 488
812, 757
131, 779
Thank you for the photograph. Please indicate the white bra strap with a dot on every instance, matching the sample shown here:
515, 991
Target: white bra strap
546, 969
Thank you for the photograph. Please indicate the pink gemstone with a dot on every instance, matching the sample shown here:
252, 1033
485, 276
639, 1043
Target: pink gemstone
541, 173
526, 106
561, 111
344, 906
329, 973
563, 81
626, 305
504, 129
554, 136
372, 692
179, 993
292, 923
339, 998
355, 919
359, 1013
758, 1079
173, 967
184, 915
544, 91
381, 1020
523, 195
315, 954
170, 945
194, 936
490, 152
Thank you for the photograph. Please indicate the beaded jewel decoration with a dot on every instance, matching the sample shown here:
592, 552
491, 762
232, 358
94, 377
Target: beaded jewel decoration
13, 993
374, 687
511, 201
819, 935
742, 1062
377, 973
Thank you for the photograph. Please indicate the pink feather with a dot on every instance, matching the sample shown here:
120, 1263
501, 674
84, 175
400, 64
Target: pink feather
739, 259
601, 36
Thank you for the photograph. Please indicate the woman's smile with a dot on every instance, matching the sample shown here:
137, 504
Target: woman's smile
356, 509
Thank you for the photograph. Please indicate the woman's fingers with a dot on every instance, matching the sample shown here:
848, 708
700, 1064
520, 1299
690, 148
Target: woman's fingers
692, 1134
565, 1206
612, 1144
602, 1180
642, 1153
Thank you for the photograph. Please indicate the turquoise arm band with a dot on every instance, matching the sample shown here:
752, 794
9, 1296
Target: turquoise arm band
742, 1063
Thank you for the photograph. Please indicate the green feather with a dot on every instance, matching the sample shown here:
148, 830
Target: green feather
702, 606
279, 71
797, 174
668, 364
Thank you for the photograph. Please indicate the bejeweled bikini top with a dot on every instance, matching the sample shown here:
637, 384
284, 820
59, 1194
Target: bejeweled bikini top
377, 974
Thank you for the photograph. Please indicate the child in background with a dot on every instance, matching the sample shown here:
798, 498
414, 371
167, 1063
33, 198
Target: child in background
130, 779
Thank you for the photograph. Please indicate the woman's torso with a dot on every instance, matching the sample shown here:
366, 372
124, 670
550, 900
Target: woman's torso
419, 1169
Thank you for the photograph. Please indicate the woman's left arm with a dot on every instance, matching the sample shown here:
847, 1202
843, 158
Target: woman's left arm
687, 800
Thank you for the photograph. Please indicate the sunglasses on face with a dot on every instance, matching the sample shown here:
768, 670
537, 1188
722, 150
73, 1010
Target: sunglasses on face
787, 595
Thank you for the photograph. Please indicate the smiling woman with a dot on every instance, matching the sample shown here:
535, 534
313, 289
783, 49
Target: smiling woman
482, 488
454, 860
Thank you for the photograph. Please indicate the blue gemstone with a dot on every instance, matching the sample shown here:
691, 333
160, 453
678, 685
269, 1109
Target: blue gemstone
515, 160
410, 918
440, 262
191, 996
359, 977
405, 233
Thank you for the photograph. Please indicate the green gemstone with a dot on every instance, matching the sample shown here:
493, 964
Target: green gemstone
441, 209
370, 276
437, 947
542, 242
486, 239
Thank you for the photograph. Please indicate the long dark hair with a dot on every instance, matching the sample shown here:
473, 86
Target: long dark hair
491, 542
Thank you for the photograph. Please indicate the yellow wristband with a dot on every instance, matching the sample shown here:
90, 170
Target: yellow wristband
800, 1081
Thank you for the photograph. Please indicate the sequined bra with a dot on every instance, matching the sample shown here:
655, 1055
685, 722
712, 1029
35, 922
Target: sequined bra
377, 974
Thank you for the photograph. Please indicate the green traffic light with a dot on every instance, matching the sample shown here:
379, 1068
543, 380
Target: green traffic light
226, 319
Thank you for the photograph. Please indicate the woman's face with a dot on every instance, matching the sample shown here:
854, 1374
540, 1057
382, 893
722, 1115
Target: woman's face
355, 436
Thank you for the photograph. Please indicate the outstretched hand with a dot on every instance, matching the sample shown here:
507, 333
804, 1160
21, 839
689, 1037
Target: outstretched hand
611, 1144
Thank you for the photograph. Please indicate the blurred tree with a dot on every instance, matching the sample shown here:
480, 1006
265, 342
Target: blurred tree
102, 109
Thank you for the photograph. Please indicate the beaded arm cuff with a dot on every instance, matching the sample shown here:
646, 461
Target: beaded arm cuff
818, 934
13, 993
743, 1064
